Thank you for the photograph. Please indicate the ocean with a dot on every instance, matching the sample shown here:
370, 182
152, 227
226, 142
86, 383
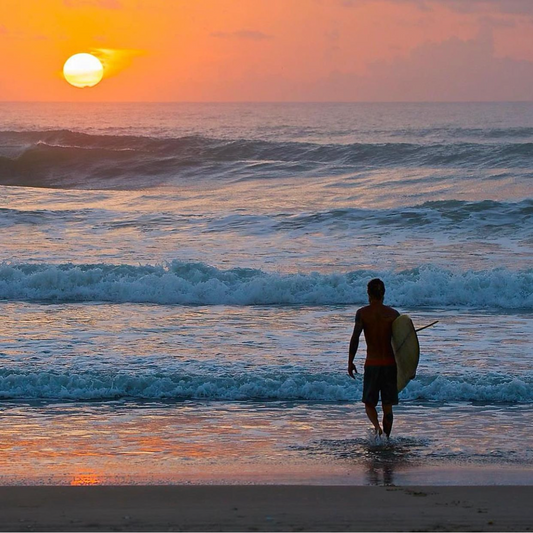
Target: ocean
178, 285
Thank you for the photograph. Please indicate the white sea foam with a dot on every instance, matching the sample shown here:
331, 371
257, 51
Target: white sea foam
201, 284
253, 386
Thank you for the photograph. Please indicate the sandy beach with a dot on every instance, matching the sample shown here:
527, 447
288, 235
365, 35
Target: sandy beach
266, 508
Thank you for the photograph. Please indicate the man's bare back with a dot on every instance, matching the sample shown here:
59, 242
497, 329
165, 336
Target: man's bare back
375, 320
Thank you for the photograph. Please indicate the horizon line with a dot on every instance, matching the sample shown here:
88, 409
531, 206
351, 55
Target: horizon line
268, 102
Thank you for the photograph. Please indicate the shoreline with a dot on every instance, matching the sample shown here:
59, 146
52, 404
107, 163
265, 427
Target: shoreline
266, 508
368, 473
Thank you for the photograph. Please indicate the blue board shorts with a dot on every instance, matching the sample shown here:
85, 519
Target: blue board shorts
380, 379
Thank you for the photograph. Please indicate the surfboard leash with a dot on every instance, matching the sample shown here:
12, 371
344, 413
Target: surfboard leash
428, 326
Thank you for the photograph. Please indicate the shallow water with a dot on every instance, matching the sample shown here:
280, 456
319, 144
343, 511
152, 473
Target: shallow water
274, 442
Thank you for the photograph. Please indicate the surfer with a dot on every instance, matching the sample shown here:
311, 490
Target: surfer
380, 366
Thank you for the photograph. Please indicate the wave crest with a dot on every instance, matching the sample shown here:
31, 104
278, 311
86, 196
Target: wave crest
200, 284
67, 159
278, 386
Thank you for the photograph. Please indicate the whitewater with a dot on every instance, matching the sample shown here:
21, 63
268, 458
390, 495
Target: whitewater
176, 276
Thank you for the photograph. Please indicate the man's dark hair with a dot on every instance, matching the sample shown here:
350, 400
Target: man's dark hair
376, 289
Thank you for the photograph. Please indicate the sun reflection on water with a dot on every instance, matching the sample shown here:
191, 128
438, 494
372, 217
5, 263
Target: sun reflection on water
86, 479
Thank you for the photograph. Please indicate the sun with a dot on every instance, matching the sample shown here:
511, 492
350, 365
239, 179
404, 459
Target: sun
83, 70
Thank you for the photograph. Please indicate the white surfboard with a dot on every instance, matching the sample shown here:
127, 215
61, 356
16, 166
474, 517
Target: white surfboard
406, 349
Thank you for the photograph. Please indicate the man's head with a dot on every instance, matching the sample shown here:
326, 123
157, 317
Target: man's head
376, 290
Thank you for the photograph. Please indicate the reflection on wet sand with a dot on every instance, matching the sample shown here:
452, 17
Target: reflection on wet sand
384, 457
380, 473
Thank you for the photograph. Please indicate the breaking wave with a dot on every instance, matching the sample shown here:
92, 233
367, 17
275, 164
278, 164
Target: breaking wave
253, 386
201, 284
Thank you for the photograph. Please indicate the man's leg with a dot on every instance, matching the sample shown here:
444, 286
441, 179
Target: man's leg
373, 417
388, 418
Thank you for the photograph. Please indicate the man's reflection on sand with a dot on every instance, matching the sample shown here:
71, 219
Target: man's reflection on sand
379, 473
383, 460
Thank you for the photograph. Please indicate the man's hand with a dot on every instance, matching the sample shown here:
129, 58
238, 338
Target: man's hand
351, 370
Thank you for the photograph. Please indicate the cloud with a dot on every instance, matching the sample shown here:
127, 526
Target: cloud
103, 4
115, 60
423, 5
493, 22
513, 7
452, 70
3, 30
249, 35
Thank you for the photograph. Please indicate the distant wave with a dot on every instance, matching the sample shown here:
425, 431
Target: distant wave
485, 219
66, 159
201, 284
36, 217
524, 133
254, 386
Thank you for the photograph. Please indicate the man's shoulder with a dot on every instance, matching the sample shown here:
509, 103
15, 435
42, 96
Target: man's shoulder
393, 311
389, 307
362, 310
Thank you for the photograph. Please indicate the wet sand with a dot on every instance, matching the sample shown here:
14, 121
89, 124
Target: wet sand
266, 508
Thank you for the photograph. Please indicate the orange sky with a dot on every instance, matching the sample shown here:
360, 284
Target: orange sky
271, 50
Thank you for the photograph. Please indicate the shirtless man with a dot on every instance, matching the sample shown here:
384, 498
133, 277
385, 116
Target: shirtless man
380, 366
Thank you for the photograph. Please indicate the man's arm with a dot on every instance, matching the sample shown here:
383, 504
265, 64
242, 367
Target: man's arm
354, 344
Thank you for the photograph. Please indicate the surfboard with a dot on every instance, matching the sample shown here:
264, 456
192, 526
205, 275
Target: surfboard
406, 349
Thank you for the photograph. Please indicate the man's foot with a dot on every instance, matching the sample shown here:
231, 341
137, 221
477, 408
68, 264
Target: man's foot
378, 432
